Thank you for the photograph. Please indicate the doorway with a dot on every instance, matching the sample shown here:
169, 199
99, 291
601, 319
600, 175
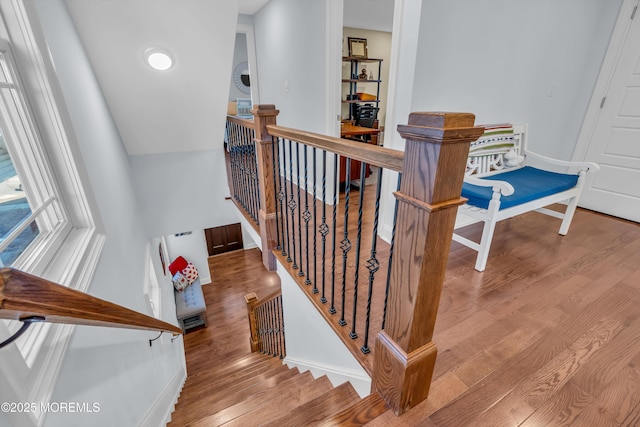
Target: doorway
611, 133
223, 239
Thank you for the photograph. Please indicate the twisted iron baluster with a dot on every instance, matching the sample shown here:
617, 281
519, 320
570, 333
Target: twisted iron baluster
324, 229
315, 234
372, 263
292, 206
332, 310
306, 216
276, 190
286, 197
301, 272
345, 244
254, 176
393, 239
363, 169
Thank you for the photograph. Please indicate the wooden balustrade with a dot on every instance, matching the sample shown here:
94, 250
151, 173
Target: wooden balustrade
25, 296
431, 170
266, 323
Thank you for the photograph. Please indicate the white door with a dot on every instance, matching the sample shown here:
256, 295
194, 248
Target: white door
613, 141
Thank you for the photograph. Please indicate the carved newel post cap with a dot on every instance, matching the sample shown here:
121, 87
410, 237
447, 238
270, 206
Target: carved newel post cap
265, 110
442, 119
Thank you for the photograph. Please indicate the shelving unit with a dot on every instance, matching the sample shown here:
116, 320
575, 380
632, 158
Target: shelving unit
356, 64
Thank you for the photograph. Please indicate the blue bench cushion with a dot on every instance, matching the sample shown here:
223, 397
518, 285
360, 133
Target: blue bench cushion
529, 184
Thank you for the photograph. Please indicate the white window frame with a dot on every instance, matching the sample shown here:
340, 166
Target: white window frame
31, 364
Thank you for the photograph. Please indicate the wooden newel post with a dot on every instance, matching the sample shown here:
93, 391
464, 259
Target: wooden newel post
434, 163
251, 300
264, 115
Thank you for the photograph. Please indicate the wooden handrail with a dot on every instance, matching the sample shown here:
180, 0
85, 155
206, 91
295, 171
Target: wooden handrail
371, 154
242, 121
23, 295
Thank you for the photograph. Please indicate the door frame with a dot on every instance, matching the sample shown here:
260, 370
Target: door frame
248, 31
604, 78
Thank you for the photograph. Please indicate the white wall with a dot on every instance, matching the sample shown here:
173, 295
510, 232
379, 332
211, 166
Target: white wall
514, 61
182, 191
193, 248
113, 367
290, 48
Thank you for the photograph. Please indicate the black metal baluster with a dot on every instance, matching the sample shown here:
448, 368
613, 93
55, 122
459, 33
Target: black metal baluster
345, 244
268, 327
280, 326
353, 334
234, 162
265, 329
292, 207
315, 232
251, 157
259, 320
332, 310
301, 272
276, 189
254, 178
324, 228
282, 331
274, 325
243, 171
306, 216
393, 239
286, 197
372, 263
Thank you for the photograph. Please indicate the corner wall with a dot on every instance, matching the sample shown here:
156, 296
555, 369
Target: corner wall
514, 61
115, 368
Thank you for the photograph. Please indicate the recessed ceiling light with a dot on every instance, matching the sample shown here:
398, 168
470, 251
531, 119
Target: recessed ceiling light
158, 59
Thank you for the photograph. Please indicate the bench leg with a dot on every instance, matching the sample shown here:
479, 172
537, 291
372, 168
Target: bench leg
485, 244
568, 216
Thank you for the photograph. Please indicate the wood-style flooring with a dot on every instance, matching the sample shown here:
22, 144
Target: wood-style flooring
547, 335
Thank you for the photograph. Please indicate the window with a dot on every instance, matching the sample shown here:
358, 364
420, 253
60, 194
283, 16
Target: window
32, 219
48, 221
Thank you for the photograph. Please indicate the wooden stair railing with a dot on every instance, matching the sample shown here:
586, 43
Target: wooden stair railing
431, 172
24, 297
242, 168
266, 323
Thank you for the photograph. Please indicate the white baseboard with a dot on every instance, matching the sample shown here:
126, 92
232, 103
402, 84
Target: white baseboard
336, 374
160, 412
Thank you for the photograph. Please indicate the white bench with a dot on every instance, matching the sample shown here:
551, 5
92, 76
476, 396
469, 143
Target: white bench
191, 309
504, 179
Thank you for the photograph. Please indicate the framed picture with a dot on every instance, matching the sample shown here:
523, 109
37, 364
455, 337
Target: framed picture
357, 47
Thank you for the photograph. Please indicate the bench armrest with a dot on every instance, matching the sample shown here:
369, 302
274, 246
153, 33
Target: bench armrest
577, 166
502, 187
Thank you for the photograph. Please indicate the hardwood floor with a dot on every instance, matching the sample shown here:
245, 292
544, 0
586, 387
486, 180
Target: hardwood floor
547, 335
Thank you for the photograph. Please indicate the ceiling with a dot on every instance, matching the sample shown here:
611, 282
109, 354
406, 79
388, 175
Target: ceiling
249, 7
161, 111
183, 108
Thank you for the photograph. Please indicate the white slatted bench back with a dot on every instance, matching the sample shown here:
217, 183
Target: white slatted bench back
485, 161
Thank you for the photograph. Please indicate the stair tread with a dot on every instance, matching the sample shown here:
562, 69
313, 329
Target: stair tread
218, 377
272, 396
316, 410
359, 413
285, 401
211, 403
219, 380
244, 387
